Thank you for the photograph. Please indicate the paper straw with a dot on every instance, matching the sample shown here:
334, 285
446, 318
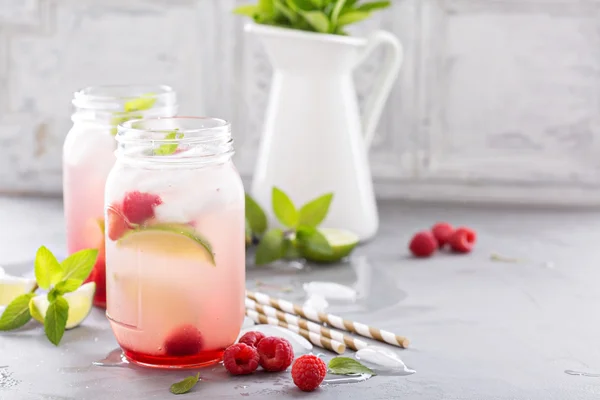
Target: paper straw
351, 343
312, 337
330, 319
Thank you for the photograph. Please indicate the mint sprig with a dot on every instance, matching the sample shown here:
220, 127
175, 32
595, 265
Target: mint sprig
301, 227
322, 16
348, 366
185, 385
59, 278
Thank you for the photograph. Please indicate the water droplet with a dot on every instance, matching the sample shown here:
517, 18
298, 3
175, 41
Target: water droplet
96, 339
115, 358
331, 379
581, 373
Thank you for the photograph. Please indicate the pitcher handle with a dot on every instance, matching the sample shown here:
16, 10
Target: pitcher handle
385, 81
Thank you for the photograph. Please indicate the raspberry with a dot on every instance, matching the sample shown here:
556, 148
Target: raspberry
252, 338
185, 340
442, 231
241, 359
463, 240
423, 244
139, 207
116, 224
276, 354
308, 372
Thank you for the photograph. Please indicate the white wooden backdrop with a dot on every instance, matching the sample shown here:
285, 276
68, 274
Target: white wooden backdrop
498, 100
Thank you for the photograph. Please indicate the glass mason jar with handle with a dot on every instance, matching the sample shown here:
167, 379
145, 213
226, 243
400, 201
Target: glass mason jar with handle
88, 156
175, 242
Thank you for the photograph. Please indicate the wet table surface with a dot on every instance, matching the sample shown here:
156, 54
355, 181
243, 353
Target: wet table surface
480, 328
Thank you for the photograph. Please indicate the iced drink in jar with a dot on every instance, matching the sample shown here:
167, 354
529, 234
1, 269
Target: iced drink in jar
175, 242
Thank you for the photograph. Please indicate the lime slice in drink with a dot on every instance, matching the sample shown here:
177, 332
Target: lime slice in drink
341, 241
13, 286
172, 239
80, 305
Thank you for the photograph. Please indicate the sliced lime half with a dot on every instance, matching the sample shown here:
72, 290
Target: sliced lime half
80, 305
341, 241
13, 286
173, 239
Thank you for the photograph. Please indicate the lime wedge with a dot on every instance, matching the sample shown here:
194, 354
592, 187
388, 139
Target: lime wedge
173, 239
341, 241
80, 305
13, 286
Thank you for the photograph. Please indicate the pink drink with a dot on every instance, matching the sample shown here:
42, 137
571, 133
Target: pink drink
88, 156
175, 244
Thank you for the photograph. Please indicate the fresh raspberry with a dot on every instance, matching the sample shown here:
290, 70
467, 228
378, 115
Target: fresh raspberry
185, 340
308, 372
139, 207
463, 240
423, 244
442, 232
116, 223
276, 354
252, 338
241, 359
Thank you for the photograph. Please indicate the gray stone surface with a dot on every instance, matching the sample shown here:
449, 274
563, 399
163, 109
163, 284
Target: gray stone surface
480, 329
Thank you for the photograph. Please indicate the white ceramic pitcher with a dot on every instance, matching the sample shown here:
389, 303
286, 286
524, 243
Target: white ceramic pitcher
315, 140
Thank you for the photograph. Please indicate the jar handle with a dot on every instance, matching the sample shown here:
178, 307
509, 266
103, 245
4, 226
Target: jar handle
385, 80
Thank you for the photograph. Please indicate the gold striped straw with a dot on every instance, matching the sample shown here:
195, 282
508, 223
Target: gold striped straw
332, 320
351, 343
312, 337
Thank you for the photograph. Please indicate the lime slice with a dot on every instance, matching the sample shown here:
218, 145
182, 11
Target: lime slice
172, 239
341, 241
80, 305
13, 286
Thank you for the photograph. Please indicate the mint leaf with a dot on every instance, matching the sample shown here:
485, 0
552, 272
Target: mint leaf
79, 265
144, 102
270, 248
352, 17
287, 13
16, 313
56, 320
185, 385
46, 267
69, 285
317, 19
348, 366
255, 216
315, 211
375, 5
169, 148
284, 209
311, 238
337, 9
248, 10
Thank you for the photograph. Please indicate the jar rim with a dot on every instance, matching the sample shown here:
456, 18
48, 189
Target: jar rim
208, 129
109, 97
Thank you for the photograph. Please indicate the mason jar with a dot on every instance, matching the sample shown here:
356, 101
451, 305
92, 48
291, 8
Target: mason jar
88, 156
175, 242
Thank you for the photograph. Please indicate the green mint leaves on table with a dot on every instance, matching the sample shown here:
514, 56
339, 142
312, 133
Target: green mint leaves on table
185, 385
169, 148
322, 16
58, 279
142, 103
347, 366
301, 227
